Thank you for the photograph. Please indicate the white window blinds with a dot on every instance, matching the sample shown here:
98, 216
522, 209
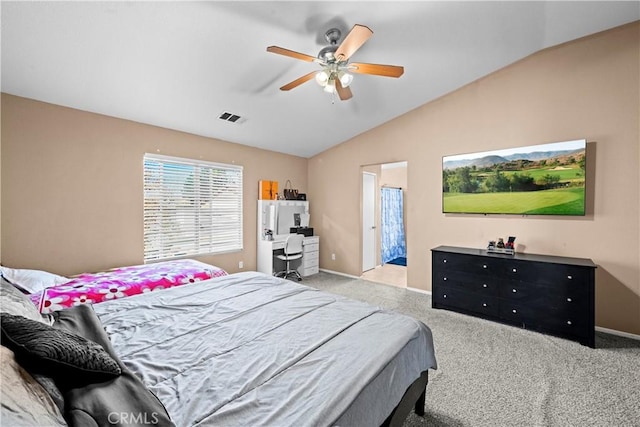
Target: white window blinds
190, 207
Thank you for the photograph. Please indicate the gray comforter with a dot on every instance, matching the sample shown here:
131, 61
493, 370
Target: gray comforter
253, 350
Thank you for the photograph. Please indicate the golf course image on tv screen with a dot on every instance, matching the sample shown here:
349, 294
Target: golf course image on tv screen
546, 179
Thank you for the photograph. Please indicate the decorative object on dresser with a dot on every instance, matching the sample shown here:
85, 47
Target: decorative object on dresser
501, 247
290, 193
268, 190
549, 294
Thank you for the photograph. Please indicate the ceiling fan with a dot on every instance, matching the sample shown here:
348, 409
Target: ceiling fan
335, 76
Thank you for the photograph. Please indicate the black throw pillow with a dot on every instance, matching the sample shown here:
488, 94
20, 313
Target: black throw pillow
66, 357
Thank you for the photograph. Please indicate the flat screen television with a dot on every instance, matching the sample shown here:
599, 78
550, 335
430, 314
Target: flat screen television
546, 179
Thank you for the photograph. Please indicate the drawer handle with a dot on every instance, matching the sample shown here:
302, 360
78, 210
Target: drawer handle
514, 291
569, 300
445, 261
515, 270
568, 322
515, 311
484, 304
484, 265
444, 278
445, 295
569, 277
484, 285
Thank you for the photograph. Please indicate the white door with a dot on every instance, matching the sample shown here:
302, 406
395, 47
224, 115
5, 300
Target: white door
368, 221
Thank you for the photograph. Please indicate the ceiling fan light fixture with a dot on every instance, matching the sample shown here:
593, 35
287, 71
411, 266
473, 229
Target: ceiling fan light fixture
345, 78
330, 87
322, 77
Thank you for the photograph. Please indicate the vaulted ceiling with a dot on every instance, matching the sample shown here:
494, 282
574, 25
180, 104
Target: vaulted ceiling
180, 65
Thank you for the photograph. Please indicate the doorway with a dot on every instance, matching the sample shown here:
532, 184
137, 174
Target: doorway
382, 185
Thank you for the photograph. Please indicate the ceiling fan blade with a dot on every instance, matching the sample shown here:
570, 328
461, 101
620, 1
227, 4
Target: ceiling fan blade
297, 82
376, 69
343, 92
358, 35
291, 53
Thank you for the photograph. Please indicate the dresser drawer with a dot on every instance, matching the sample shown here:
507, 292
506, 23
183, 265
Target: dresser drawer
568, 324
550, 320
464, 263
560, 298
517, 313
482, 284
467, 301
569, 299
312, 247
546, 273
519, 293
308, 262
308, 271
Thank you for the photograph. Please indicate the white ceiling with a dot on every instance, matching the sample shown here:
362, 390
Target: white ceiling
179, 65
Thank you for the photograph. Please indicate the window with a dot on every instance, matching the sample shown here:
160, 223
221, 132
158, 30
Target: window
190, 207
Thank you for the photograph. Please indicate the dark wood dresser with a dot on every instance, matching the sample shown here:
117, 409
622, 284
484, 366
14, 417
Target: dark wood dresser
549, 294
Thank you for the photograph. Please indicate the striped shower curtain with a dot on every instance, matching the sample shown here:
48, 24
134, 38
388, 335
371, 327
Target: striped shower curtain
392, 225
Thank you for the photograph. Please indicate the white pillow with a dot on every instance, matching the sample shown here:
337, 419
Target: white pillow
32, 281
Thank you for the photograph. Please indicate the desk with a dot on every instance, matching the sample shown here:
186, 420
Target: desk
267, 249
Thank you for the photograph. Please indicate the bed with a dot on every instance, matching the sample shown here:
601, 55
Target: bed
248, 349
93, 288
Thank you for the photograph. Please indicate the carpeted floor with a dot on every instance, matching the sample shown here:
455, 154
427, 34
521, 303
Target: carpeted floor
496, 375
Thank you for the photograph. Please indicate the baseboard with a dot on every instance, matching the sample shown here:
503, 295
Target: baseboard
339, 273
618, 333
421, 291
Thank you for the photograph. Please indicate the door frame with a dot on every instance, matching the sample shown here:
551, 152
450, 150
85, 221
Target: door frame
373, 254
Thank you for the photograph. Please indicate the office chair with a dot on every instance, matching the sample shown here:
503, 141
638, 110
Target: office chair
292, 251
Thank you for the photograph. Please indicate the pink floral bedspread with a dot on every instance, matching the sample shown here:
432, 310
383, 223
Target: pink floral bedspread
93, 288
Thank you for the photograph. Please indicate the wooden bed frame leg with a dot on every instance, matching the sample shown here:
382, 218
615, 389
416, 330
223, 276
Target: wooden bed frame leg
415, 397
420, 403
422, 400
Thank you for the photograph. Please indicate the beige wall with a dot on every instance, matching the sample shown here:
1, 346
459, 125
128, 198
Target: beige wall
589, 89
394, 177
72, 186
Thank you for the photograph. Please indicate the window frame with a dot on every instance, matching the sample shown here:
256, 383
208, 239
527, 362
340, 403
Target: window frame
215, 216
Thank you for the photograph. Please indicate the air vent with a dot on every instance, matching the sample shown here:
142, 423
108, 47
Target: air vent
230, 117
